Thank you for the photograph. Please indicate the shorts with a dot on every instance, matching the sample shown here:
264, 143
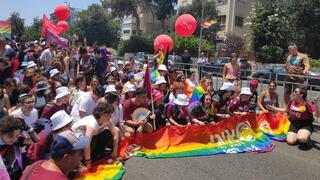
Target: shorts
289, 87
295, 126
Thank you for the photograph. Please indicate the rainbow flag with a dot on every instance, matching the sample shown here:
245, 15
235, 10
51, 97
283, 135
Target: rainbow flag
234, 135
154, 75
103, 170
5, 29
209, 23
161, 58
197, 94
275, 126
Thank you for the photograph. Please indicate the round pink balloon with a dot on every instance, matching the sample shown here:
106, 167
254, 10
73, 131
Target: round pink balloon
185, 25
63, 25
162, 42
62, 12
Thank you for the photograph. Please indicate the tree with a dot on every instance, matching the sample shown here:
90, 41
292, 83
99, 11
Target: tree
210, 12
17, 25
135, 44
164, 10
96, 24
234, 44
33, 32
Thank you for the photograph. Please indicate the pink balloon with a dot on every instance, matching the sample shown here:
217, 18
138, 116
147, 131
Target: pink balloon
162, 42
63, 25
62, 12
185, 25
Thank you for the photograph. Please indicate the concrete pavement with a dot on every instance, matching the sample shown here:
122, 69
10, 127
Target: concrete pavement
284, 162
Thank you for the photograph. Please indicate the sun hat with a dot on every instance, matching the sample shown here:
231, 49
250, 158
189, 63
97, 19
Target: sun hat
160, 80
227, 86
245, 91
113, 69
42, 85
31, 64
157, 95
253, 83
181, 100
54, 72
62, 91
130, 88
120, 62
68, 141
60, 119
110, 88
162, 67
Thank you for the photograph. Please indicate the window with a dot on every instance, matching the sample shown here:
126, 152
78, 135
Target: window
239, 21
126, 31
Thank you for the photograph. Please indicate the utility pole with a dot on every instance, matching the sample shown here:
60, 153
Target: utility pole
201, 29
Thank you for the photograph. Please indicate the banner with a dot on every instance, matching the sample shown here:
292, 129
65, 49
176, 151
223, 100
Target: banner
47, 24
5, 29
234, 135
51, 36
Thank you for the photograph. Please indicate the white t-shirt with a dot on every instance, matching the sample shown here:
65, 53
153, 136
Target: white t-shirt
46, 57
29, 120
87, 121
117, 116
85, 103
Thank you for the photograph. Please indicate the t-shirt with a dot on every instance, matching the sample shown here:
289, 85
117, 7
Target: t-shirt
46, 57
52, 108
299, 111
239, 106
219, 104
85, 103
40, 150
129, 107
88, 121
40, 173
180, 115
29, 120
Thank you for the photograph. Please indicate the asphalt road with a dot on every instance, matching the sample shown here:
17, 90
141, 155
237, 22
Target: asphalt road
284, 162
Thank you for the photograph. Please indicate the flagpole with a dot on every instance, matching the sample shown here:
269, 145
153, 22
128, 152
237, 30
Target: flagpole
201, 29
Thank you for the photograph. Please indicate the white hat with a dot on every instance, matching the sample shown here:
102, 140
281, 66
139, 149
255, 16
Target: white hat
62, 91
160, 80
120, 62
113, 69
130, 88
31, 64
60, 119
181, 100
145, 66
245, 91
54, 72
162, 67
110, 88
227, 86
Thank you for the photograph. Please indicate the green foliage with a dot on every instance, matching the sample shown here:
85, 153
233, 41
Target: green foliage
17, 25
315, 62
33, 32
135, 44
96, 24
164, 10
191, 43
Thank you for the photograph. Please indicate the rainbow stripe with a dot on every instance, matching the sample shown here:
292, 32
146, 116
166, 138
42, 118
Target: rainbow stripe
5, 29
275, 126
197, 94
154, 75
209, 23
103, 170
161, 58
235, 135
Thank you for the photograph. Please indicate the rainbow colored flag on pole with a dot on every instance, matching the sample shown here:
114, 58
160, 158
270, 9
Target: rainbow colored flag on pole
209, 23
5, 29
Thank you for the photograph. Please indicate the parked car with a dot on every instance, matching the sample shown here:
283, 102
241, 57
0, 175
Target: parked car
280, 74
216, 66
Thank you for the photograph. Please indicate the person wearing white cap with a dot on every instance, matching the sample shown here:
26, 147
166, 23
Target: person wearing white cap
221, 101
60, 121
31, 64
130, 92
59, 103
177, 112
110, 88
162, 70
241, 104
55, 80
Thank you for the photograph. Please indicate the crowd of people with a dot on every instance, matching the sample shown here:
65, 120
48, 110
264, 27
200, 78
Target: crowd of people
66, 108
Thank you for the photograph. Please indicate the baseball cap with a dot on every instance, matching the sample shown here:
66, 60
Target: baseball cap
157, 95
60, 119
131, 75
68, 141
253, 83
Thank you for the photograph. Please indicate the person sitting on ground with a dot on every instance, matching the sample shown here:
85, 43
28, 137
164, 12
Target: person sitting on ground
221, 101
40, 150
178, 88
159, 117
187, 89
198, 110
67, 151
101, 132
300, 116
241, 105
177, 112
86, 103
268, 97
61, 102
27, 112
133, 126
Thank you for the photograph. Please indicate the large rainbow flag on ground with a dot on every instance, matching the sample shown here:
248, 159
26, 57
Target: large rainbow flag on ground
5, 29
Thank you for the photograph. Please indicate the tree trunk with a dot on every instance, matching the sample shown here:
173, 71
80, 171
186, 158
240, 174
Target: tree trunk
136, 15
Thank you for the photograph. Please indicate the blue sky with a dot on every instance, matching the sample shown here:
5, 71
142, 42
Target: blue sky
30, 9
